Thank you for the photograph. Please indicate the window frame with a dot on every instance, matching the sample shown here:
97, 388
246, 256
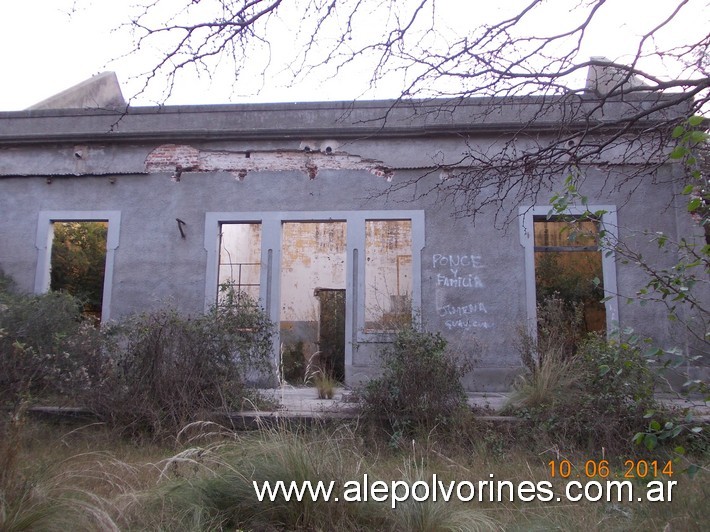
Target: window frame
270, 278
45, 236
607, 222
365, 332
220, 263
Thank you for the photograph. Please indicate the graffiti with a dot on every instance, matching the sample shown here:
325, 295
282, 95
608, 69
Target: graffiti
470, 281
471, 308
467, 324
455, 261
457, 277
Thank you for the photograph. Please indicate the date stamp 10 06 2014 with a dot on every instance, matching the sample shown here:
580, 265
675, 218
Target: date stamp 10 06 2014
631, 469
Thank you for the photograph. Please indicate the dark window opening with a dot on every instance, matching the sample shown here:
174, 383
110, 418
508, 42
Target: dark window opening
568, 267
78, 262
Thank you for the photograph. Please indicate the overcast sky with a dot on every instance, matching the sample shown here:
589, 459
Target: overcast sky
50, 45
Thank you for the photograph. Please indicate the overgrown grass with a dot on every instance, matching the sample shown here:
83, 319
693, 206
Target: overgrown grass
325, 385
85, 478
164, 370
592, 394
62, 477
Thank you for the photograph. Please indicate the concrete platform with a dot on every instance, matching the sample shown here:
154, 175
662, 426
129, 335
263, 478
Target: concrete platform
295, 401
302, 404
303, 401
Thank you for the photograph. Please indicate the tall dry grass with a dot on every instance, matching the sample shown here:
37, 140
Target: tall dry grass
46, 486
87, 479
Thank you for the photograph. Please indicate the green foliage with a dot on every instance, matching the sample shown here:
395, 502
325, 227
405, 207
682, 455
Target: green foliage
681, 287
549, 380
47, 348
595, 398
151, 372
79, 261
559, 329
548, 355
164, 370
420, 385
692, 269
571, 285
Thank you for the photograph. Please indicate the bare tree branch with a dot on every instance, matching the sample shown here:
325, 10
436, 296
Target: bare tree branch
421, 43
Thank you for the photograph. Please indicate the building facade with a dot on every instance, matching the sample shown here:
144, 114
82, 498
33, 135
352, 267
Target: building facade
332, 210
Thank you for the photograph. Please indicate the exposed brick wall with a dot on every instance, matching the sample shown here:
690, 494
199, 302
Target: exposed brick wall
168, 157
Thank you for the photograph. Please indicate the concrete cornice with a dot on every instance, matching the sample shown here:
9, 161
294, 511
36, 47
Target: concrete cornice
360, 119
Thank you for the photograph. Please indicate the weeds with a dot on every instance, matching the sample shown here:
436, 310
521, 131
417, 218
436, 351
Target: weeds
47, 348
325, 385
293, 363
593, 396
207, 484
60, 496
221, 489
149, 374
553, 377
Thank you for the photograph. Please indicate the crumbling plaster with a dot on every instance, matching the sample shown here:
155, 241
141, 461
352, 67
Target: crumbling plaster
177, 159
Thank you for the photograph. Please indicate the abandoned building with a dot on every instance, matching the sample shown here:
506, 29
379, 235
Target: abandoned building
332, 215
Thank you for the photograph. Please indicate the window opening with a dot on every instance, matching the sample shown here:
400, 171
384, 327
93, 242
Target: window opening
388, 274
78, 262
239, 260
568, 266
312, 323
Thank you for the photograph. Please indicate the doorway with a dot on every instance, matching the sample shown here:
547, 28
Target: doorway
568, 266
312, 313
331, 331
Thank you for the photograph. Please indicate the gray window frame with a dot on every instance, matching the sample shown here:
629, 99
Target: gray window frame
608, 222
43, 243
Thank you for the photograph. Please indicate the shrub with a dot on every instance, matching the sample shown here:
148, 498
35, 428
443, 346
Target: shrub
47, 347
582, 391
599, 398
548, 355
617, 391
420, 385
551, 377
164, 370
559, 326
